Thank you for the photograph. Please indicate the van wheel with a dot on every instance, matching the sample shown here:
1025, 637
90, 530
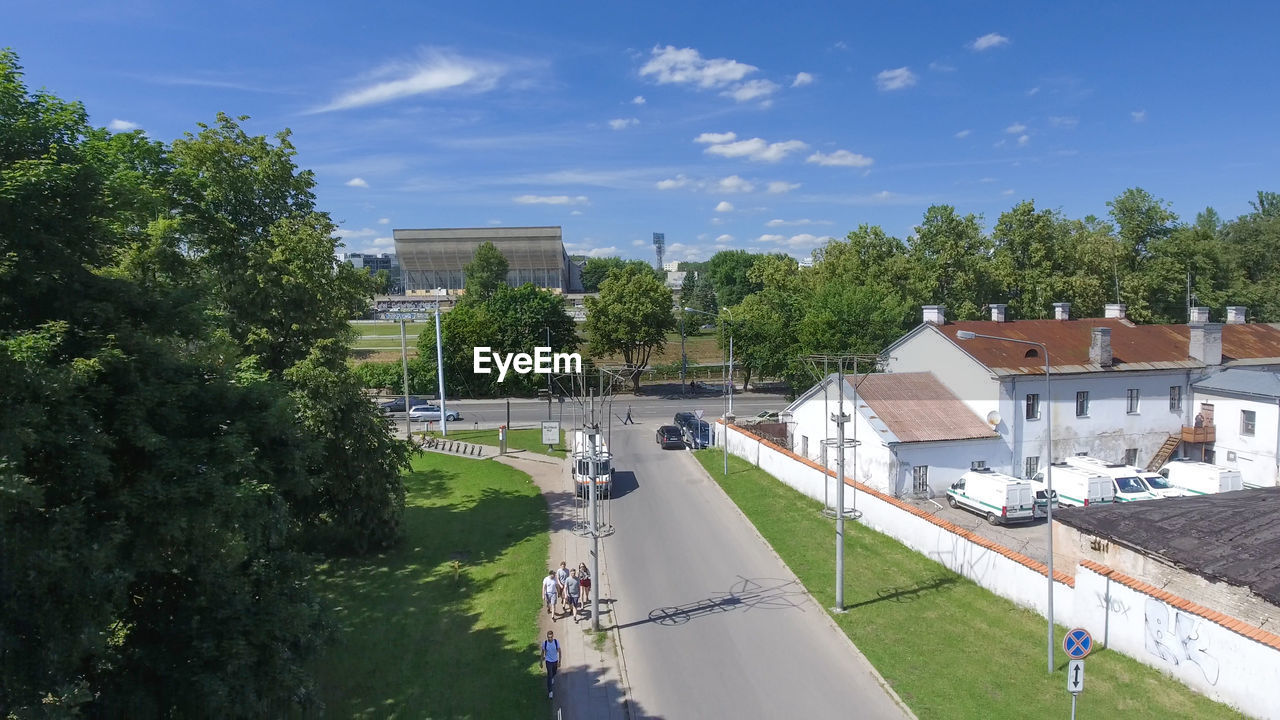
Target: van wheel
992, 519
951, 501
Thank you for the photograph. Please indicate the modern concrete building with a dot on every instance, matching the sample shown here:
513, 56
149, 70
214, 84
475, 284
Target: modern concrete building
437, 258
374, 263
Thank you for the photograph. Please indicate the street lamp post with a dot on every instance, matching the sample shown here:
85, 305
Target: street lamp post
1048, 474
729, 408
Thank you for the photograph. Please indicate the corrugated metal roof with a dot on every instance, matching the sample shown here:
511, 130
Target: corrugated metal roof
917, 408
1133, 347
1245, 382
1229, 537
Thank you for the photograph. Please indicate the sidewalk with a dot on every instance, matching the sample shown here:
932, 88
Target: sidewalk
592, 683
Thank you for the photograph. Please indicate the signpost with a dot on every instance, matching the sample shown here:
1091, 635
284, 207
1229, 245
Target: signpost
550, 433
698, 413
1077, 643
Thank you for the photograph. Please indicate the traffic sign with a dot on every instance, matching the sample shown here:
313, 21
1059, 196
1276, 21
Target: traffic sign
1075, 676
698, 413
1077, 643
550, 432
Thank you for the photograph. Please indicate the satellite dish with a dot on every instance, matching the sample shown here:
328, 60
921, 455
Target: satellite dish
993, 418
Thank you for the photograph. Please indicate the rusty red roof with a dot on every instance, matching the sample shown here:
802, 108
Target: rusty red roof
916, 407
1132, 346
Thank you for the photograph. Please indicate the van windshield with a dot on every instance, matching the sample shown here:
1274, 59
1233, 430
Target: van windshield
1158, 482
1130, 485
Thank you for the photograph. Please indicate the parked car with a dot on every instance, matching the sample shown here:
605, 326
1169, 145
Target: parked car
684, 419
1125, 480
396, 404
670, 436
999, 498
431, 413
697, 434
1201, 478
1078, 487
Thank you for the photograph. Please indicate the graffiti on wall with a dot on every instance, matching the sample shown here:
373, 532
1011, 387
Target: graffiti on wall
1179, 643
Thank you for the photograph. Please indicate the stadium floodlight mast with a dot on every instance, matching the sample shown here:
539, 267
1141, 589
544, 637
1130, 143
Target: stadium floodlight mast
728, 415
1048, 474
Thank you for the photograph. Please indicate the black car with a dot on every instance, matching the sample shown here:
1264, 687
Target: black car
684, 420
670, 436
396, 404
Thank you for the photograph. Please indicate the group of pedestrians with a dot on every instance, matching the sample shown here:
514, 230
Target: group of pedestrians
562, 590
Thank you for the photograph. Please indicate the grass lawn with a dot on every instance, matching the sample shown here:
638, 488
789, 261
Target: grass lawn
527, 439
949, 648
412, 640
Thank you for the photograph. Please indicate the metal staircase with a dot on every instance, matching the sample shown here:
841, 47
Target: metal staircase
1164, 453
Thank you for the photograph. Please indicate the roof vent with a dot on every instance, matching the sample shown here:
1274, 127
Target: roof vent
1100, 347
1206, 343
1198, 315
997, 312
1115, 311
1236, 314
935, 314
1062, 311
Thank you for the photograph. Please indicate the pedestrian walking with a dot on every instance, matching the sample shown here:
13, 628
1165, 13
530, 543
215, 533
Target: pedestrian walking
551, 659
628, 420
572, 588
584, 579
561, 576
549, 589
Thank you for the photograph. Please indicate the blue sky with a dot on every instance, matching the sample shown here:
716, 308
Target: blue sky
720, 125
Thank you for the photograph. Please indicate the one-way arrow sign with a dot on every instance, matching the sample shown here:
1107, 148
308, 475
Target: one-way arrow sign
1075, 676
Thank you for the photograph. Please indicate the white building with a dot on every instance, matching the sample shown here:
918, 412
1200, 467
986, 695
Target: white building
914, 435
1243, 406
675, 279
671, 266
1121, 391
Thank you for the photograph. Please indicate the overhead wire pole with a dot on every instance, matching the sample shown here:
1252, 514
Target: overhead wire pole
726, 382
404, 364
444, 414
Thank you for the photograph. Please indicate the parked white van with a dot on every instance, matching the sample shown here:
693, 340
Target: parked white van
582, 453
999, 498
1078, 487
1201, 478
1125, 479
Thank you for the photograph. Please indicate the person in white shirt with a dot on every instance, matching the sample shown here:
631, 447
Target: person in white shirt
562, 576
549, 589
551, 658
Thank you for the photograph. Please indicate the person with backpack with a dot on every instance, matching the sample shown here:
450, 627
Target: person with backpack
551, 659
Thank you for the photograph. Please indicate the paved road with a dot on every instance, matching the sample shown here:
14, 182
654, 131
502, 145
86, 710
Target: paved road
712, 625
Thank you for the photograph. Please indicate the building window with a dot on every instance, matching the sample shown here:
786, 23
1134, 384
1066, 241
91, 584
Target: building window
1209, 456
1133, 401
1175, 398
1131, 456
1248, 421
1033, 406
1082, 403
920, 479
1032, 466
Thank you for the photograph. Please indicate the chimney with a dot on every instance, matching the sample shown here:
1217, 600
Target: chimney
1062, 311
997, 312
1115, 311
1100, 347
1199, 315
935, 314
1236, 314
1206, 342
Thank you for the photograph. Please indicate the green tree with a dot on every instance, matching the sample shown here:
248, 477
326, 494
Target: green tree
1140, 219
950, 259
763, 324
486, 272
630, 318
1027, 259
729, 273
1254, 240
597, 269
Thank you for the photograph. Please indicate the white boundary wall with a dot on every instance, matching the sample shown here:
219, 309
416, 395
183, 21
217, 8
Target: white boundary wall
1206, 656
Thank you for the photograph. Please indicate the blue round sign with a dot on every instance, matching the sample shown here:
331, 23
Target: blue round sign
1077, 643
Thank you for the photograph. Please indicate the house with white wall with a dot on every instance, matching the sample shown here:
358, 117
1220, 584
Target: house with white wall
1243, 405
913, 435
1119, 391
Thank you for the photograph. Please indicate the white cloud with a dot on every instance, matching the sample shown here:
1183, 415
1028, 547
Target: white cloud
602, 252
724, 239
770, 238
434, 72
550, 200
1064, 121
716, 138
1016, 129
941, 67
724, 206
357, 182
779, 187
1023, 140
986, 180
384, 221
638, 100
895, 79
495, 221
678, 181
801, 79
755, 149
801, 240
623, 123
734, 184
1139, 116
686, 66
840, 158
963, 134
1033, 91
681, 251
751, 90
717, 221
346, 234
575, 212
988, 41
118, 125
642, 243
802, 221
1007, 192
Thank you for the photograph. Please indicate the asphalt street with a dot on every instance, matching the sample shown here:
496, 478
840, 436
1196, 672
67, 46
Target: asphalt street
712, 624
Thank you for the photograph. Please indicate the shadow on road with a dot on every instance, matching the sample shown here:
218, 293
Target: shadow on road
583, 693
746, 594
624, 481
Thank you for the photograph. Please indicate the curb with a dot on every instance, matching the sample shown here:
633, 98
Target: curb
826, 613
